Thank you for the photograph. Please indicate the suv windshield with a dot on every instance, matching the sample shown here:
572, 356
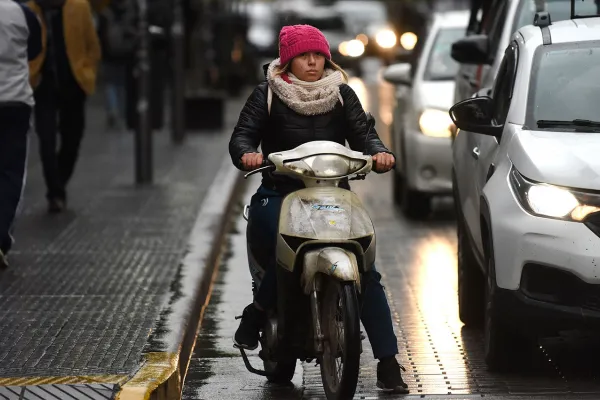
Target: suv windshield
560, 10
565, 84
440, 65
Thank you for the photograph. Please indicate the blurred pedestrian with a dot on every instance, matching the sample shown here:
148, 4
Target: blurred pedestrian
118, 39
20, 41
63, 76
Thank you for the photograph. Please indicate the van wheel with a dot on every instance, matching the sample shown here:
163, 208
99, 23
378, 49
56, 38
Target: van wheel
398, 188
414, 205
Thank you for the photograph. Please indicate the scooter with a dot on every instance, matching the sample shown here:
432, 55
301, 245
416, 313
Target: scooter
325, 242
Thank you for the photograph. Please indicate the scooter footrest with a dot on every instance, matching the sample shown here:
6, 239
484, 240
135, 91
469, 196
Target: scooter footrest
249, 366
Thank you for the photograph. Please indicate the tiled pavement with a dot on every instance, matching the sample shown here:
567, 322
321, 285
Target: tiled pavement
85, 287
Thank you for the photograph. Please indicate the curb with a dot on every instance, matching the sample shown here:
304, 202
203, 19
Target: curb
168, 352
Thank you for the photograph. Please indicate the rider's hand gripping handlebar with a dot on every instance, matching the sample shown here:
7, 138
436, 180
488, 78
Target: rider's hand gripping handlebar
267, 164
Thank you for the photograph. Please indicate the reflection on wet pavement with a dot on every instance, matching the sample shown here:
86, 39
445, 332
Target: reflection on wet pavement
217, 370
418, 263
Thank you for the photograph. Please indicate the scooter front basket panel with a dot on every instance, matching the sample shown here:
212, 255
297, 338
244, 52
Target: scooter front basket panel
322, 214
326, 213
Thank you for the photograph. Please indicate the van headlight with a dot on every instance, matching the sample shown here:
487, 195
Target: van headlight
408, 40
435, 123
386, 38
326, 166
551, 201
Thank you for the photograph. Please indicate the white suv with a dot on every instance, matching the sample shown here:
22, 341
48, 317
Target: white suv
527, 190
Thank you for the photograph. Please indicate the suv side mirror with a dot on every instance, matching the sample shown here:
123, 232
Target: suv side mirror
398, 74
475, 115
474, 49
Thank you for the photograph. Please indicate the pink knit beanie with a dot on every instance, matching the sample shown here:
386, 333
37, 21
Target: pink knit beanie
297, 39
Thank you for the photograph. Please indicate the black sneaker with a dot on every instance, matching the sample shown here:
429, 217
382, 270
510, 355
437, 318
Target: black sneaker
56, 205
3, 260
247, 333
389, 377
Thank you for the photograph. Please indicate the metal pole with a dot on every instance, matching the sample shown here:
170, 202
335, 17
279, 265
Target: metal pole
178, 70
143, 134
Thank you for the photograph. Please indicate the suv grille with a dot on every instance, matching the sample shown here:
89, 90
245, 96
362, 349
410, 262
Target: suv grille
593, 222
553, 285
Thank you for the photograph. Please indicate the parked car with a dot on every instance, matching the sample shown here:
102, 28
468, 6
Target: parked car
526, 179
421, 125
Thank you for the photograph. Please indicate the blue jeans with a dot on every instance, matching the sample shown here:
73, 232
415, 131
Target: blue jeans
262, 236
115, 88
14, 127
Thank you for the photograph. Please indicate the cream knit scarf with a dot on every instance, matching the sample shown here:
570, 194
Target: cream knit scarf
307, 98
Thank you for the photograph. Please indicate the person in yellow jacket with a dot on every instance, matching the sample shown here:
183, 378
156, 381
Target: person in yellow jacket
63, 76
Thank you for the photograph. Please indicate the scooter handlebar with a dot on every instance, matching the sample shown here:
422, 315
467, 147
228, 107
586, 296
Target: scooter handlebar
266, 165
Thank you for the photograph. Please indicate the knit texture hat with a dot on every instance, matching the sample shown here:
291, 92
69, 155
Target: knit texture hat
297, 39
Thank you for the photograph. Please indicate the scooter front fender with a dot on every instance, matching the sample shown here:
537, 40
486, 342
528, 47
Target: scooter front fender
336, 262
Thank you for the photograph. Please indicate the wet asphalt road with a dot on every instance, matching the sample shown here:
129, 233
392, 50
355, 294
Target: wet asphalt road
418, 264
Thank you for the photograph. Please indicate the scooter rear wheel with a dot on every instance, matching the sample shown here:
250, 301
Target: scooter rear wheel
340, 321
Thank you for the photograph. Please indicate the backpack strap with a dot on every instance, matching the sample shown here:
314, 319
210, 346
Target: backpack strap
269, 98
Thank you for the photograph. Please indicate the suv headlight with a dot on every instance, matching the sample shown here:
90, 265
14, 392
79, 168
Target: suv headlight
435, 123
551, 201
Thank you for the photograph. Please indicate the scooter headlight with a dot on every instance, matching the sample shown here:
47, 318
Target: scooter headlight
326, 166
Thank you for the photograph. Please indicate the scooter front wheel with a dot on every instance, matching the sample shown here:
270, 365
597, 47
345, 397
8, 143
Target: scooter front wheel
340, 321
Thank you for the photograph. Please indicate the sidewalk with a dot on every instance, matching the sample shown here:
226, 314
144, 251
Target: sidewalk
87, 287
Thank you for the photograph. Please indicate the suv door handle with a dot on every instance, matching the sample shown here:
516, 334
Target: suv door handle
475, 153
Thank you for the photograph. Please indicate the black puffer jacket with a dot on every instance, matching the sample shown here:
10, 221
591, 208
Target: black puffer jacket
284, 129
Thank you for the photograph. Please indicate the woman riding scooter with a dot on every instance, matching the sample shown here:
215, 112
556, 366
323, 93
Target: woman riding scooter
310, 101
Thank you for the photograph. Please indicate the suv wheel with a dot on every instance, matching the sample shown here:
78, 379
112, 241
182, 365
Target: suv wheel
503, 346
471, 285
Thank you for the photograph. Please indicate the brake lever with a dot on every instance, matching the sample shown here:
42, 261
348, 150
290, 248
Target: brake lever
269, 165
358, 177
